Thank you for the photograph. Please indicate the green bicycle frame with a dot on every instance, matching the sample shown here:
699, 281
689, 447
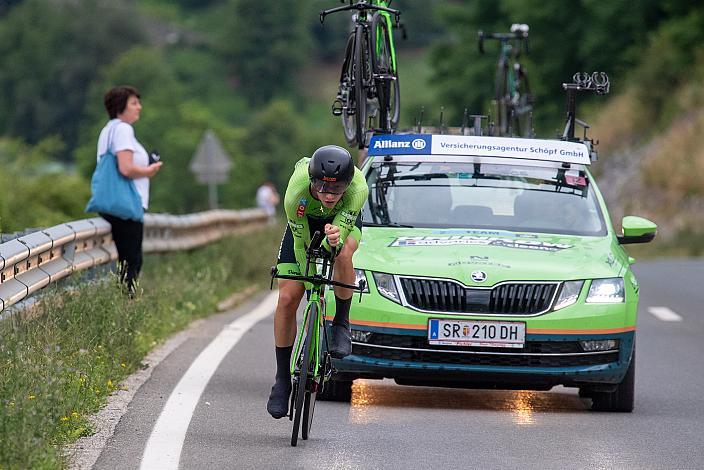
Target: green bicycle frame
315, 298
387, 18
506, 50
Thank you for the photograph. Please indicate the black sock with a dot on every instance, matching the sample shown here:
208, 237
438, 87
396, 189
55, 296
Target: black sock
342, 311
283, 362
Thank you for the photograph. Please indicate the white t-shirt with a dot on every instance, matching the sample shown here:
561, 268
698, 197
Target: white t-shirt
123, 139
265, 196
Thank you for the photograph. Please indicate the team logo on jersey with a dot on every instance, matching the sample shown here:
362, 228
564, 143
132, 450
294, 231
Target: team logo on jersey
301, 209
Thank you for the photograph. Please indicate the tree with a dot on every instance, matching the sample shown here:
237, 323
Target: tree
266, 44
50, 52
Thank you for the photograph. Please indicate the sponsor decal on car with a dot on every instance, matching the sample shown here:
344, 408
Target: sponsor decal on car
534, 149
486, 241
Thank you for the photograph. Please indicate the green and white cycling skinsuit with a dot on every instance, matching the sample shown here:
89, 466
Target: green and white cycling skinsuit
306, 214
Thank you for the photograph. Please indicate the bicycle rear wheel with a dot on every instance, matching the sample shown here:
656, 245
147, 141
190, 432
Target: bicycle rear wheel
349, 124
387, 85
312, 385
304, 364
362, 77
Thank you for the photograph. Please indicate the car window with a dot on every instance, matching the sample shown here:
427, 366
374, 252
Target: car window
487, 196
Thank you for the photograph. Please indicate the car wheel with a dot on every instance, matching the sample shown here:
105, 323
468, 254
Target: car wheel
621, 399
336, 390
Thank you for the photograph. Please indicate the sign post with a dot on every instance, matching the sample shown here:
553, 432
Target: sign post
211, 165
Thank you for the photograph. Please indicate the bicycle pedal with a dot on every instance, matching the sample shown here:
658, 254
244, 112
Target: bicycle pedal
337, 107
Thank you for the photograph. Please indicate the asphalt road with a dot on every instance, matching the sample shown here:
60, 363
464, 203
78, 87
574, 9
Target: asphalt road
392, 426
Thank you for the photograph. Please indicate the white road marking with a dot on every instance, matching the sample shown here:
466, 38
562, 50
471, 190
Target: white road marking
664, 314
163, 449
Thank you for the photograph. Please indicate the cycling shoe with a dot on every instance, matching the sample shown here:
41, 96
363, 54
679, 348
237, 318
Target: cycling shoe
277, 406
341, 342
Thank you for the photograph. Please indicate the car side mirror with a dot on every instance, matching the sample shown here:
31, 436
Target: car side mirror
637, 230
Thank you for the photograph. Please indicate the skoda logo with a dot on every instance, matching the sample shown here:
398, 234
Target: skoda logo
418, 144
479, 276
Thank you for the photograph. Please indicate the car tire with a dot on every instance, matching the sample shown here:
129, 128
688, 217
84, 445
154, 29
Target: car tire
336, 390
622, 399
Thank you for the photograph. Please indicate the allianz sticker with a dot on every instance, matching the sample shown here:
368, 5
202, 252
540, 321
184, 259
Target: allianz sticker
481, 241
301, 209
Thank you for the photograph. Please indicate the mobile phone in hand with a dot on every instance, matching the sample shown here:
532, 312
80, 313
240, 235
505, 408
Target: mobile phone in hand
154, 157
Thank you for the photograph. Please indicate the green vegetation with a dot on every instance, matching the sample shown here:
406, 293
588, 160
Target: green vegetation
59, 366
263, 74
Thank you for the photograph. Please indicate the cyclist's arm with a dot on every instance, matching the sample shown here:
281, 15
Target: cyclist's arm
352, 202
296, 200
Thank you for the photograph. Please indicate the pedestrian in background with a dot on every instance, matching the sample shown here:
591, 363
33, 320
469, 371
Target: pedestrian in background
123, 106
267, 199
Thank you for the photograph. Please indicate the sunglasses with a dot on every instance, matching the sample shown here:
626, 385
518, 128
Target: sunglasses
331, 187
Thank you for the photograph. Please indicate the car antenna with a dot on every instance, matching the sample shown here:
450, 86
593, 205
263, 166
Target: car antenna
442, 123
465, 118
419, 122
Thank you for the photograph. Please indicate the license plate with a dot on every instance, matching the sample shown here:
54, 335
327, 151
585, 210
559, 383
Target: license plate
498, 334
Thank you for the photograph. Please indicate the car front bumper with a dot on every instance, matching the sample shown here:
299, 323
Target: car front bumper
545, 361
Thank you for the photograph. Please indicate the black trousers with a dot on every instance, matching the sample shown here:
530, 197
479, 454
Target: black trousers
128, 235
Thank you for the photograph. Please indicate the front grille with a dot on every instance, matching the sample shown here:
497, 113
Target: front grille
450, 358
421, 342
533, 354
441, 295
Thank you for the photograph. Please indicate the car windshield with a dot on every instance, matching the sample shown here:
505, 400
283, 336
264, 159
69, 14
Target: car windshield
482, 195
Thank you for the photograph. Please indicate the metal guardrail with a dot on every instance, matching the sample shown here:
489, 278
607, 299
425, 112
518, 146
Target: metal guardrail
31, 262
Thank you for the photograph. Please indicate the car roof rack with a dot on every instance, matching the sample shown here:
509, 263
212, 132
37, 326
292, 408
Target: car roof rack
596, 82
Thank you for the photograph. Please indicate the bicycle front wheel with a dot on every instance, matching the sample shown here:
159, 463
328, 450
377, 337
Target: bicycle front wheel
303, 376
306, 367
312, 386
362, 75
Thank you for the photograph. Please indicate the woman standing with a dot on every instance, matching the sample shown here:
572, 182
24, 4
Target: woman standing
123, 106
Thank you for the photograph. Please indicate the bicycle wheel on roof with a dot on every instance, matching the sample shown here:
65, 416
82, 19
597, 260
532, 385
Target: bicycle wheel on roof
386, 76
362, 81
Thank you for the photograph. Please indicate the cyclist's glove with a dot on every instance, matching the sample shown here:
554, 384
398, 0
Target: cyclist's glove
332, 251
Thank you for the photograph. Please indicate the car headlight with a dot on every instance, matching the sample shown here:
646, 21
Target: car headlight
386, 286
359, 275
606, 291
569, 293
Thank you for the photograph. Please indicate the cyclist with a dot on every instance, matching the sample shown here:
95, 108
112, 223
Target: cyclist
325, 193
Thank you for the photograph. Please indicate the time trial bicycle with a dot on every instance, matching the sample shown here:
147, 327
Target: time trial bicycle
368, 97
513, 100
311, 364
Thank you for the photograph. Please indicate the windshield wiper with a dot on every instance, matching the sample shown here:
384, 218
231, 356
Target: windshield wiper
390, 224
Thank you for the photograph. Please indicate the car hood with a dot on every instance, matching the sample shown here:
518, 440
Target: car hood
501, 255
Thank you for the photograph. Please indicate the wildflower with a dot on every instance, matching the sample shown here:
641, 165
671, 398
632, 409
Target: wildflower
74, 415
12, 403
109, 383
31, 397
122, 364
64, 418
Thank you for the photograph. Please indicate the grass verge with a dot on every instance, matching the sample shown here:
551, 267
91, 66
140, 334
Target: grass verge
60, 366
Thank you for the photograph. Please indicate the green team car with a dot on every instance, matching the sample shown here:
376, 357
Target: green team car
491, 262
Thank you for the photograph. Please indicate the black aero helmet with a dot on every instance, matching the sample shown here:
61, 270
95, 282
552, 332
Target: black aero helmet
331, 169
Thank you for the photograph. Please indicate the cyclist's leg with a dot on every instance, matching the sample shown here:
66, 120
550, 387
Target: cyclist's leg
344, 272
290, 294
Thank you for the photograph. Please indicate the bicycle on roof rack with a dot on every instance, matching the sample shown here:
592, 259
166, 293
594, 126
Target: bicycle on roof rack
513, 100
368, 98
597, 82
311, 364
